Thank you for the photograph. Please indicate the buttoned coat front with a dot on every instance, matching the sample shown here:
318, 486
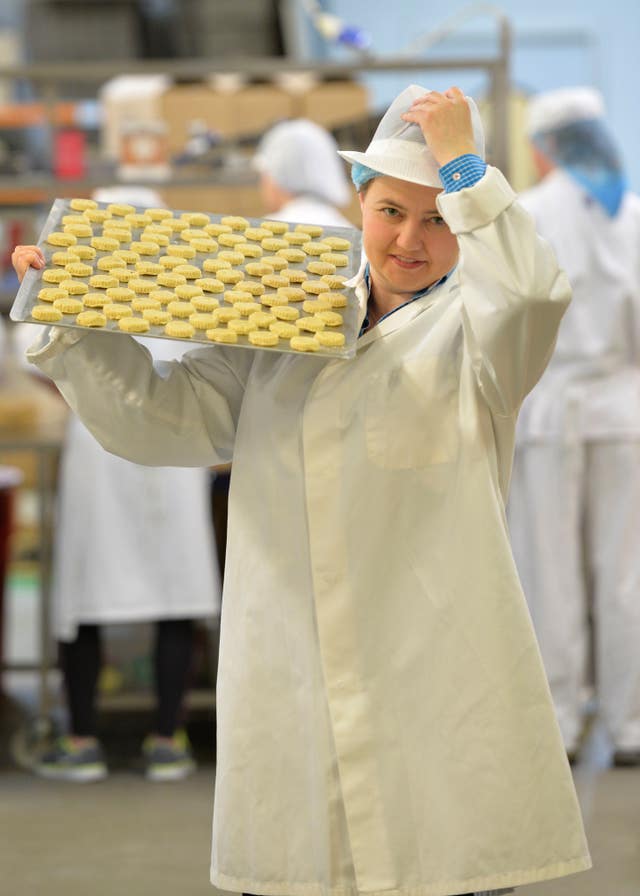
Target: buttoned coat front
384, 723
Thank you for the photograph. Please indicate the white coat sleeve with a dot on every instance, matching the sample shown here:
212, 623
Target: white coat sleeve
513, 293
179, 413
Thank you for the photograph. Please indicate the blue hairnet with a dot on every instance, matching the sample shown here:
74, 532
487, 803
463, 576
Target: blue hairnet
360, 175
588, 153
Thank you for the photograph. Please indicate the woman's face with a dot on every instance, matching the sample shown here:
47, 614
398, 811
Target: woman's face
407, 242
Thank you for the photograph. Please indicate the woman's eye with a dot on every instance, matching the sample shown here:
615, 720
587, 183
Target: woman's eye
437, 221
390, 212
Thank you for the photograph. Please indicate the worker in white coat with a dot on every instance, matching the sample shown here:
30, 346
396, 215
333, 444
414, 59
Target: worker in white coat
301, 177
384, 722
133, 544
574, 511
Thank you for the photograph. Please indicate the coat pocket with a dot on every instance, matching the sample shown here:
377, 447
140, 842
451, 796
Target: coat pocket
412, 415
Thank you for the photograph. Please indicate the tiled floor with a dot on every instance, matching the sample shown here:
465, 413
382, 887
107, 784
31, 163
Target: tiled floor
126, 835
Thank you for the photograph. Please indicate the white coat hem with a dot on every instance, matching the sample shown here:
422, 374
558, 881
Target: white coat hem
505, 880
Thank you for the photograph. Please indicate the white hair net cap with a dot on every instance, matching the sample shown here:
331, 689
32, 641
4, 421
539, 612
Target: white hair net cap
558, 108
143, 197
302, 158
398, 148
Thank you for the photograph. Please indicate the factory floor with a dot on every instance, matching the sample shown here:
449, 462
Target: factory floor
129, 836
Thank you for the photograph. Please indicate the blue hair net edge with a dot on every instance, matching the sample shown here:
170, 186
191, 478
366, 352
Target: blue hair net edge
361, 175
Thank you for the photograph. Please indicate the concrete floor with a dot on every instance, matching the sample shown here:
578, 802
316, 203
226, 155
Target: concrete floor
126, 835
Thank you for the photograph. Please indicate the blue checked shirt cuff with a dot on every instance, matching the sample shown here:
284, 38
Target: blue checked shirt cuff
465, 171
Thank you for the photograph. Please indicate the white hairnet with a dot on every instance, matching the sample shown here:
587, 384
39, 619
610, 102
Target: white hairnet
142, 197
398, 148
556, 108
301, 157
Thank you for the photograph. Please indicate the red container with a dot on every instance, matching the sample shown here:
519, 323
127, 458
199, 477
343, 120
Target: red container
69, 154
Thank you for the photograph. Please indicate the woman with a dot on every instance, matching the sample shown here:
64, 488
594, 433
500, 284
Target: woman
384, 723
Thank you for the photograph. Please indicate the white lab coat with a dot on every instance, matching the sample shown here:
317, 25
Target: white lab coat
310, 210
384, 724
574, 511
133, 543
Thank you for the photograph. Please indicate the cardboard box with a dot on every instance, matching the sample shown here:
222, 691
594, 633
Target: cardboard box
248, 110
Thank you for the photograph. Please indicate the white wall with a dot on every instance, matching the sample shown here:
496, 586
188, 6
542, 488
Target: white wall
556, 43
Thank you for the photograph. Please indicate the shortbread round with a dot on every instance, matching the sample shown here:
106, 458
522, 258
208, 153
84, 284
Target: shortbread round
190, 271
156, 317
204, 246
195, 219
292, 255
164, 296
273, 243
120, 294
314, 286
241, 326
210, 284
329, 339
337, 243
145, 248
138, 220
237, 295
58, 238
73, 219
285, 312
168, 262
274, 281
321, 267
275, 226
335, 258
80, 230
186, 291
54, 275
296, 239
184, 251
159, 214
120, 209
117, 233
180, 328
177, 224
96, 215
271, 299
331, 318
145, 303
227, 314
263, 338
148, 268
105, 243
283, 329
292, 293
335, 299
46, 313
310, 324
193, 233
203, 321
79, 269
107, 262
95, 299
247, 308
249, 250
91, 319
214, 229
133, 324
51, 293
313, 230
221, 334
154, 236
235, 222
304, 344
64, 258
141, 286
277, 262
294, 275
114, 311
171, 279
231, 256
127, 255
256, 289
257, 233
123, 275
180, 309
84, 253
68, 305
74, 287
261, 319
231, 276
213, 265
335, 281
313, 248
312, 306
204, 303
230, 239
258, 268
80, 204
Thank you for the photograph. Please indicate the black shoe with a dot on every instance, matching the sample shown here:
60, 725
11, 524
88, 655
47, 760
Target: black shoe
626, 758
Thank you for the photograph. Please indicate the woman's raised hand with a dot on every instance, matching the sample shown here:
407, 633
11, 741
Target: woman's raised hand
24, 257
